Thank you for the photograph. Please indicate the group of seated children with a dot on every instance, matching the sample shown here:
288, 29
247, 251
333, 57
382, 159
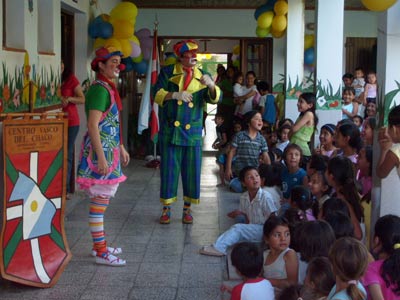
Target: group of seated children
313, 211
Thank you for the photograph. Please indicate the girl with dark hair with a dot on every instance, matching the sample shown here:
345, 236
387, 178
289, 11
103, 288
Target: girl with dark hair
301, 199
326, 141
306, 123
349, 259
348, 140
389, 141
315, 239
341, 176
383, 277
319, 278
281, 263
367, 131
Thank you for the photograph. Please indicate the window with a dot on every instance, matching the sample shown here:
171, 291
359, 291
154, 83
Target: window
13, 24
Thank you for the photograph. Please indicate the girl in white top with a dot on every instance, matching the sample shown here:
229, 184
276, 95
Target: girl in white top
281, 263
389, 141
350, 107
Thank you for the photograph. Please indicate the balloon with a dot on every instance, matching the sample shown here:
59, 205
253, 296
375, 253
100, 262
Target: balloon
134, 39
98, 43
105, 30
146, 53
113, 43
236, 63
265, 20
126, 47
309, 56
376, 5
269, 6
308, 41
122, 29
138, 59
144, 32
140, 68
281, 8
136, 51
127, 61
236, 49
124, 11
170, 60
262, 32
279, 23
277, 34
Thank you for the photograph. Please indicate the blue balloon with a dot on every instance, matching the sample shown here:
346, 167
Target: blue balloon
105, 30
309, 56
269, 6
141, 67
93, 30
127, 61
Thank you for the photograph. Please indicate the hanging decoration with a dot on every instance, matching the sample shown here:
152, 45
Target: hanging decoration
376, 5
272, 18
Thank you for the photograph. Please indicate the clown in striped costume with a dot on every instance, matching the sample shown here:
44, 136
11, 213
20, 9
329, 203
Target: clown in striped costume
181, 92
99, 171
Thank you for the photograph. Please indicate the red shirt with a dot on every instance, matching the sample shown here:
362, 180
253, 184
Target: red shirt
67, 90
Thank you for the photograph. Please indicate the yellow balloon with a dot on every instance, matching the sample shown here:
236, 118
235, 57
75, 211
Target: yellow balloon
126, 47
262, 32
308, 41
378, 5
265, 19
112, 42
236, 50
122, 29
281, 8
135, 40
277, 34
279, 23
124, 11
98, 43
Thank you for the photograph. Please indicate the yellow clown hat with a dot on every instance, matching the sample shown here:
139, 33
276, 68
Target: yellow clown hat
185, 46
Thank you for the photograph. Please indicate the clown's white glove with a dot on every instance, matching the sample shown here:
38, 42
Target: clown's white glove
184, 96
207, 80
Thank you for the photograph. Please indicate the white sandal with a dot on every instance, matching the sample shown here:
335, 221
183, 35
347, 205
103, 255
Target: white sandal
110, 250
110, 260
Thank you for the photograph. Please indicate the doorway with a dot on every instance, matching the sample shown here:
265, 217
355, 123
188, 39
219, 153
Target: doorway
361, 52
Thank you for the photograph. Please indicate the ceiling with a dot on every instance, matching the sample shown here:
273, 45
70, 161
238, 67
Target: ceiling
224, 4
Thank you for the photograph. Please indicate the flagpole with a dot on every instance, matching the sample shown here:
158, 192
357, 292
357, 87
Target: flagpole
155, 39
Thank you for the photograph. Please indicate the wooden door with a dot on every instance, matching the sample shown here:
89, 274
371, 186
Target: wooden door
360, 52
256, 55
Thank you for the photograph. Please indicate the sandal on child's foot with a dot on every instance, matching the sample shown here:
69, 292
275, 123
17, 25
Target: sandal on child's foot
110, 260
211, 251
110, 250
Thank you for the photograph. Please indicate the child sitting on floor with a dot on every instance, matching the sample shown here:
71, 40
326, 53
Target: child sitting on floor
247, 259
255, 206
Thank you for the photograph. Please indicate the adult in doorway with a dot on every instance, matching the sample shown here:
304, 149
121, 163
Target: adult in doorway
227, 107
181, 91
71, 95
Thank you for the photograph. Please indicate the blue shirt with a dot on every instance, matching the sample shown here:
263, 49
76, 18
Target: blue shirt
290, 180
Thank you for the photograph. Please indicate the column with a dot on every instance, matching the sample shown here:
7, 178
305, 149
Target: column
329, 61
294, 56
388, 66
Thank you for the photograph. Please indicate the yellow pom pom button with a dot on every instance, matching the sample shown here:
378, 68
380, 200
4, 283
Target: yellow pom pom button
177, 123
180, 102
187, 126
190, 104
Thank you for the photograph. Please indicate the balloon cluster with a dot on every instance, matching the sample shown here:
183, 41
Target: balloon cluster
380, 5
309, 51
271, 18
117, 30
236, 56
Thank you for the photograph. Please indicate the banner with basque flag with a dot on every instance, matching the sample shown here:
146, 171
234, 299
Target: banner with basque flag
34, 249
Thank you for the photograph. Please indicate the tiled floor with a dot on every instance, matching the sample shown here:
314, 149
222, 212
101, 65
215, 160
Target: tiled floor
162, 260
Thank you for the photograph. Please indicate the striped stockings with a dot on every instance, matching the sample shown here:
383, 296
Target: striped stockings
98, 206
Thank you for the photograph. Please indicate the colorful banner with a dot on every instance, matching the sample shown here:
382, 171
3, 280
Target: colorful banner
34, 249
